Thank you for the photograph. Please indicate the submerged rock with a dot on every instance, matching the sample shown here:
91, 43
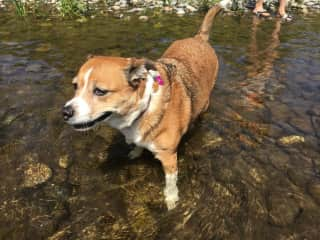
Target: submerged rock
33, 67
288, 140
143, 18
82, 20
180, 12
116, 8
46, 24
191, 8
167, 9
142, 222
61, 234
35, 174
10, 118
64, 161
133, 10
283, 209
314, 189
44, 47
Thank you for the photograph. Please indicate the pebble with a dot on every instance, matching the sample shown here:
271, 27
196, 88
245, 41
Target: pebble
191, 8
305, 10
180, 11
64, 161
45, 47
173, 2
82, 20
288, 140
167, 9
135, 2
116, 8
309, 4
133, 10
46, 24
10, 43
120, 16
143, 18
122, 6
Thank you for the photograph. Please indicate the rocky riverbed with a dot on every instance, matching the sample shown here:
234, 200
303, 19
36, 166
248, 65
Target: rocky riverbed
249, 168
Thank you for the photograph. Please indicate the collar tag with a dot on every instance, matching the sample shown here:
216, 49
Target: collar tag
159, 80
156, 77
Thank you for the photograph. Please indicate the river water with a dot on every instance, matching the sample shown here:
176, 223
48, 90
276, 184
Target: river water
249, 168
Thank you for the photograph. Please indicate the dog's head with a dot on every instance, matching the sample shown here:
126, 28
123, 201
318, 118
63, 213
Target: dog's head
106, 86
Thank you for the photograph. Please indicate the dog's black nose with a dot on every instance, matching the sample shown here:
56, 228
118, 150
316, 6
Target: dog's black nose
67, 112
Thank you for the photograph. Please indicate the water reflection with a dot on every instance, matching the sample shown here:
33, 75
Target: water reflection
260, 70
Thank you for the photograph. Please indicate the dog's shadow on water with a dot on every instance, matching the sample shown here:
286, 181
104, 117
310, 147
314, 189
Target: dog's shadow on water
117, 156
118, 150
120, 170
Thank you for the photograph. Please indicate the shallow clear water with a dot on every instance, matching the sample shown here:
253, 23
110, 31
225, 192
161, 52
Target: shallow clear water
239, 177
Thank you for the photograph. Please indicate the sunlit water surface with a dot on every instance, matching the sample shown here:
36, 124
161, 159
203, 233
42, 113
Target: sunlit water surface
238, 178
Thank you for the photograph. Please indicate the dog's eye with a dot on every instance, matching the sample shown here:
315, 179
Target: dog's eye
75, 86
100, 92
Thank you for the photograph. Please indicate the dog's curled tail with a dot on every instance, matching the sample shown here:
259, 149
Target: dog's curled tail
205, 28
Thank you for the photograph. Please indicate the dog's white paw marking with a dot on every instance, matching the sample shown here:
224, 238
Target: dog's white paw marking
171, 191
136, 152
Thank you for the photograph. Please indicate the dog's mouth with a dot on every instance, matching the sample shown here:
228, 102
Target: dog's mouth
87, 125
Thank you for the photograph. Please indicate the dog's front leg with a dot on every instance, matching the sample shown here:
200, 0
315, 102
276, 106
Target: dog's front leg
135, 152
169, 164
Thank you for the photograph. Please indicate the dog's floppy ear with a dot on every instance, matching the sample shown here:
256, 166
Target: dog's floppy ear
138, 70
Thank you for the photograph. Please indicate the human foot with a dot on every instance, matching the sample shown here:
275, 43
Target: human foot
285, 17
261, 12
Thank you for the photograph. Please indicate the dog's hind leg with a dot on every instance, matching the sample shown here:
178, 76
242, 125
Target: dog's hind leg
169, 164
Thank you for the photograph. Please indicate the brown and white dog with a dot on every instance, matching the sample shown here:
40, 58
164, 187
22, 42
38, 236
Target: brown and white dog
151, 102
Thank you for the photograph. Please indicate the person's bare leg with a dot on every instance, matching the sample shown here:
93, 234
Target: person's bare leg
259, 9
282, 7
282, 11
259, 5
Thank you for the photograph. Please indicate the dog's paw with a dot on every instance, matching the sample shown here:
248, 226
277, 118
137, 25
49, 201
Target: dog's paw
135, 153
171, 197
172, 203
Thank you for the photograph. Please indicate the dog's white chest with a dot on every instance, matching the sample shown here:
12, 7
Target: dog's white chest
132, 135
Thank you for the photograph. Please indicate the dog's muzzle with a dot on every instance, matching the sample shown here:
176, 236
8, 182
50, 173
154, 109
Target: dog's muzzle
90, 124
68, 113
